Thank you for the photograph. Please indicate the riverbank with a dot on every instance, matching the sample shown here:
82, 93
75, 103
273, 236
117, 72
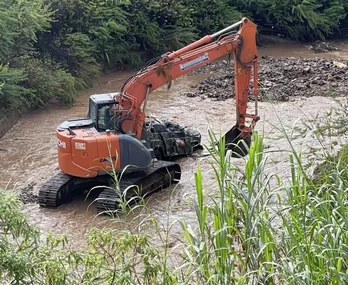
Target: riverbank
8, 121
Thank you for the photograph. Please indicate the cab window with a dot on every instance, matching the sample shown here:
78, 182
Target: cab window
92, 113
106, 117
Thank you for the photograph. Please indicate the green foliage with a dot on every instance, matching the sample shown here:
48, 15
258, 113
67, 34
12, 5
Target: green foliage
315, 227
338, 163
235, 240
23, 78
159, 26
73, 40
12, 93
81, 62
110, 257
47, 80
212, 16
298, 19
20, 21
7, 36
113, 32
17, 241
260, 230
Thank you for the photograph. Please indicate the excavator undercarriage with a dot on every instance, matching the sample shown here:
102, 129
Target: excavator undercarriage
62, 187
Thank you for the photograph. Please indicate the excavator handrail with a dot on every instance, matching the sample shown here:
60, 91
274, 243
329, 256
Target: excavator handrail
229, 28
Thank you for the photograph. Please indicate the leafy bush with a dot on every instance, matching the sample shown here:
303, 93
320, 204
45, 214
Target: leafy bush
300, 20
111, 256
212, 16
12, 93
46, 80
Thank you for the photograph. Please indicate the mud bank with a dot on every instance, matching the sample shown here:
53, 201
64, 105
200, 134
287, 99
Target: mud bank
9, 121
280, 79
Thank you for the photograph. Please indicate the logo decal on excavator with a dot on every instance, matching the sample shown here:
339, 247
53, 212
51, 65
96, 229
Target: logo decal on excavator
80, 145
61, 143
194, 62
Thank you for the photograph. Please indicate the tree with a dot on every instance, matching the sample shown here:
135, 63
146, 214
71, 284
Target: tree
297, 19
212, 15
20, 23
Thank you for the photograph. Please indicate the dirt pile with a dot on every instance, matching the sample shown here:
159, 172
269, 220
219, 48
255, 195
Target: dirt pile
280, 79
27, 194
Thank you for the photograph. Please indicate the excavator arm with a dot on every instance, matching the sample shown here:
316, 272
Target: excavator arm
135, 93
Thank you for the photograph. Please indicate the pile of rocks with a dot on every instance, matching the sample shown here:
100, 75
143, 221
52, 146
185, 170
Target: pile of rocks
280, 79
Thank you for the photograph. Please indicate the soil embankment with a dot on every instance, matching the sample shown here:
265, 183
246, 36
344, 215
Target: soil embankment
7, 122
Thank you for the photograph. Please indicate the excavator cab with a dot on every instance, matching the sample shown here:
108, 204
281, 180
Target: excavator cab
102, 109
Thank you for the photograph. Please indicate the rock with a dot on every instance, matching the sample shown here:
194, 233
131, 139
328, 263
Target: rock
300, 86
307, 70
26, 194
190, 94
339, 64
322, 47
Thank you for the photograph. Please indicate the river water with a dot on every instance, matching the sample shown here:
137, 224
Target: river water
28, 151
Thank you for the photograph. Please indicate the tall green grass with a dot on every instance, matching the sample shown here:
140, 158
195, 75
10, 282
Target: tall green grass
235, 243
261, 230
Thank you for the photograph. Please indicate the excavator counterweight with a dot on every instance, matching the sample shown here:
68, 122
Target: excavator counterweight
115, 137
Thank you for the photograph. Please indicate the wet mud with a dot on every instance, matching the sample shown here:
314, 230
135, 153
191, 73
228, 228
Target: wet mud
28, 151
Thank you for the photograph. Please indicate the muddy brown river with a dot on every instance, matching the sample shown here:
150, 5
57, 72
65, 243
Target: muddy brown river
28, 151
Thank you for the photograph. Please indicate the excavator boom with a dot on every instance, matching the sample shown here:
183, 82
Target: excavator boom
170, 66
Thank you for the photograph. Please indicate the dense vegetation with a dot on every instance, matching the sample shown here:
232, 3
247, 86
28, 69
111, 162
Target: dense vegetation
50, 48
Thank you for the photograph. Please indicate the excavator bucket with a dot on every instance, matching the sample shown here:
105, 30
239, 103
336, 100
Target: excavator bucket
238, 142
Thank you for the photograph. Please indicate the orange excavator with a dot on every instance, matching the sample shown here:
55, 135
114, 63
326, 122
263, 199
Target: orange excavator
88, 149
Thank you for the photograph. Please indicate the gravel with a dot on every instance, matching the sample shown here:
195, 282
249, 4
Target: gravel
280, 79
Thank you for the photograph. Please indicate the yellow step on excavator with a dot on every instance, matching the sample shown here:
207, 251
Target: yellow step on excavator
89, 148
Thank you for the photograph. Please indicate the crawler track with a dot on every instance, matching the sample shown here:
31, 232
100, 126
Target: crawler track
56, 191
